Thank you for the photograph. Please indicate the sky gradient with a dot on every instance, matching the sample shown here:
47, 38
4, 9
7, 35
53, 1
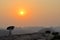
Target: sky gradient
39, 13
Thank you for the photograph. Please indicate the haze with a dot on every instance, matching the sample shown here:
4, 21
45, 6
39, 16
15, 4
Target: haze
39, 13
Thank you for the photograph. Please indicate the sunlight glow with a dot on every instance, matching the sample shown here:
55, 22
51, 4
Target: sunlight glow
22, 12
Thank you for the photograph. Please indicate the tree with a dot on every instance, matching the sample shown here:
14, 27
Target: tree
55, 33
10, 28
56, 36
47, 32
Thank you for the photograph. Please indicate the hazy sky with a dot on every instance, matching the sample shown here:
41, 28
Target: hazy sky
39, 12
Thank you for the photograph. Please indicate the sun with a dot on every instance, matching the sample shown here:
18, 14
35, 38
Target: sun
22, 12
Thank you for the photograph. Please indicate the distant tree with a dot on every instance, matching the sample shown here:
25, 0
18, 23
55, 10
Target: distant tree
56, 36
47, 32
55, 33
10, 28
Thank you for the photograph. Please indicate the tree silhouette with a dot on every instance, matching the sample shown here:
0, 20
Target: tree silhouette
47, 32
56, 36
55, 33
10, 28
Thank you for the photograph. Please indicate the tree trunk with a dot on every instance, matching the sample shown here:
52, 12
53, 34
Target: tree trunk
10, 32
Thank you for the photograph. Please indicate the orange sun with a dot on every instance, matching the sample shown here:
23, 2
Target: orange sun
22, 12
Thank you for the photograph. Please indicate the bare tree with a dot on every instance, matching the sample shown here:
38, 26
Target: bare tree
10, 28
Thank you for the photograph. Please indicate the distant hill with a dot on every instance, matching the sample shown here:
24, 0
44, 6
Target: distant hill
25, 30
28, 36
20, 31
